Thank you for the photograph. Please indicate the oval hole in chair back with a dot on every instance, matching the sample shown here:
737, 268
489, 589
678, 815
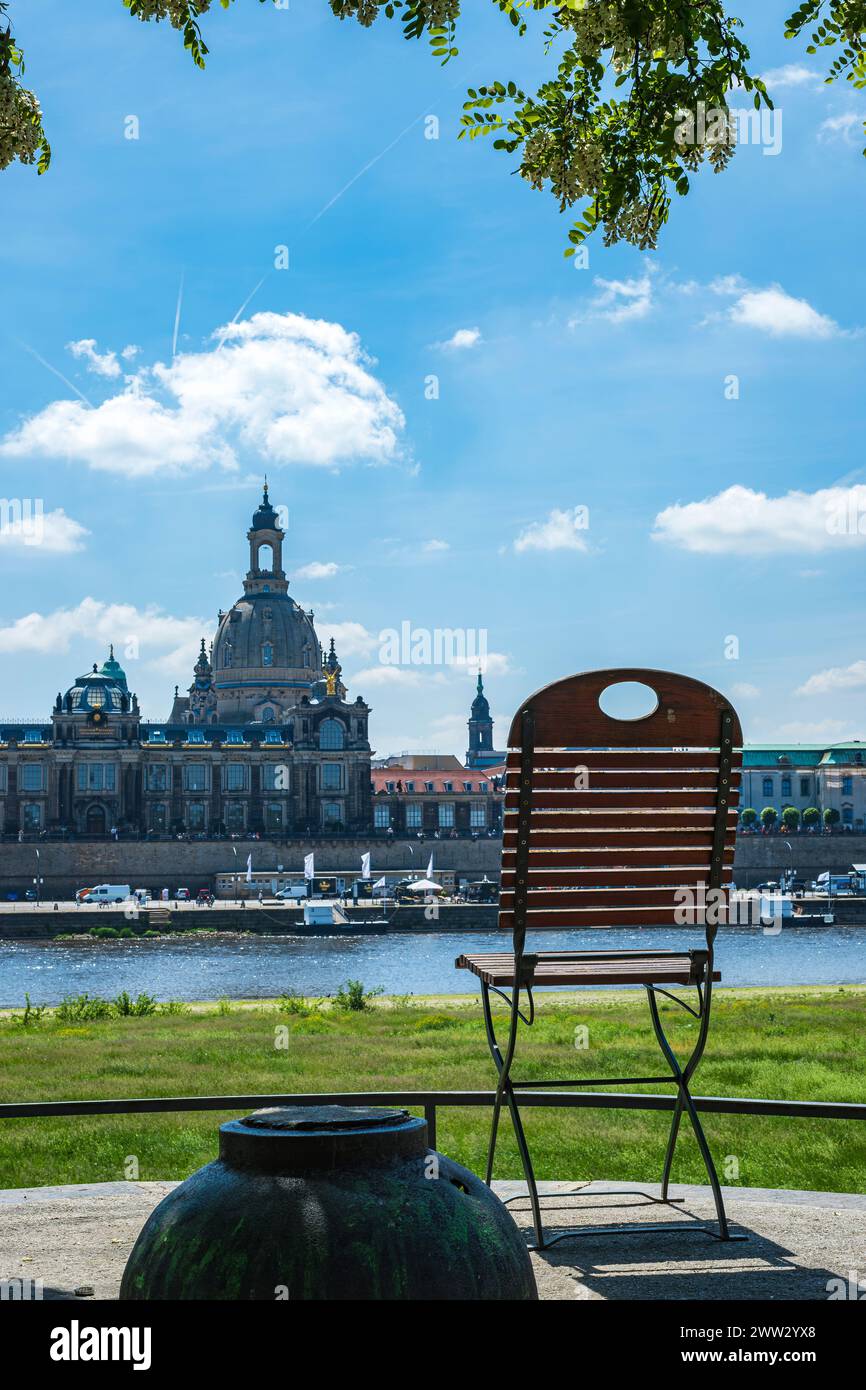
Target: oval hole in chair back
628, 700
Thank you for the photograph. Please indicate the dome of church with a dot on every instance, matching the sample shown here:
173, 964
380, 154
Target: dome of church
268, 635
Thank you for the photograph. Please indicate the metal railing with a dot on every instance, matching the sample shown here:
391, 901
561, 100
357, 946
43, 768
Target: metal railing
431, 1101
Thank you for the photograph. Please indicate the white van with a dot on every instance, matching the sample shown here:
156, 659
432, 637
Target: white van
105, 893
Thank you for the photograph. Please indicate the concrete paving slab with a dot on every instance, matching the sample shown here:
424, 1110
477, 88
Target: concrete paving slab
77, 1238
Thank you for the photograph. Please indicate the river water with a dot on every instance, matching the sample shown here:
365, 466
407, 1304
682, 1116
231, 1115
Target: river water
254, 967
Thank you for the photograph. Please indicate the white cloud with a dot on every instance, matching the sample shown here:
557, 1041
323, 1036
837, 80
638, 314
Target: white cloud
389, 675
162, 640
741, 521
742, 690
49, 531
793, 75
462, 339
433, 546
835, 678
561, 531
840, 127
318, 569
778, 313
350, 639
289, 389
101, 364
618, 301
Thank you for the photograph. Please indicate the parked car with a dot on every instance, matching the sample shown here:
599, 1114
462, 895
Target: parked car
182, 895
104, 893
771, 886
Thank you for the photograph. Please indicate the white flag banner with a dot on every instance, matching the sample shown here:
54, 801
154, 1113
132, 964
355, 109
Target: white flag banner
309, 868
430, 867
250, 867
365, 866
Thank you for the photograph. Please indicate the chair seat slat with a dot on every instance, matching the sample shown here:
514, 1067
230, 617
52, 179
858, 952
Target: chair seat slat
498, 969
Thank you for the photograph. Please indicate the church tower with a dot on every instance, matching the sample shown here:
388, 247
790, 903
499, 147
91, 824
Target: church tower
481, 752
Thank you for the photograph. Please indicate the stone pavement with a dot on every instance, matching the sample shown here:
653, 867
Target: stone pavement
77, 1238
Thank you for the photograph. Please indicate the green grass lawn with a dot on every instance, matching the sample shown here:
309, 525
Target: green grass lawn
797, 1044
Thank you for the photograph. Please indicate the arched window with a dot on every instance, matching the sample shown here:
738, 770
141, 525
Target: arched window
227, 656
267, 654
265, 558
267, 715
331, 734
306, 656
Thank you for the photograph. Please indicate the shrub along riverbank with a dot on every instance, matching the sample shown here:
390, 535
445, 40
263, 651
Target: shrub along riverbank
807, 1043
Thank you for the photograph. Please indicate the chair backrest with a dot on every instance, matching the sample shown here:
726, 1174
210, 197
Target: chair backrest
608, 820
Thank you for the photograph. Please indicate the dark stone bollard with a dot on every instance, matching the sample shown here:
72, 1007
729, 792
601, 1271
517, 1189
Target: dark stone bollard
329, 1202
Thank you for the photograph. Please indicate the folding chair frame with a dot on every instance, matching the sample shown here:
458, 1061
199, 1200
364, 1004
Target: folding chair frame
681, 1075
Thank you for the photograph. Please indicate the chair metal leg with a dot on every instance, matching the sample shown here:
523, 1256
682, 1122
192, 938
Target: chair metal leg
672, 1143
505, 1091
682, 1076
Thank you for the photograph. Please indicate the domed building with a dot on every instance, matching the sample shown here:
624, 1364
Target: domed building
265, 741
266, 654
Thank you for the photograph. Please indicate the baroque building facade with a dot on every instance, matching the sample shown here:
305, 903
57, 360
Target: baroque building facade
265, 740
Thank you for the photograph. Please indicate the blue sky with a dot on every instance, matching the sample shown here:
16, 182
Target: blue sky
601, 388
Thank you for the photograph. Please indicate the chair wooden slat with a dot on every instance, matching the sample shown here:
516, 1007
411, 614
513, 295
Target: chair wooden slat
568, 713
580, 834
579, 880
498, 970
615, 856
619, 759
650, 895
567, 919
618, 780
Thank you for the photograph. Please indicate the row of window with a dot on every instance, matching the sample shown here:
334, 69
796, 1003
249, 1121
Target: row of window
276, 777
331, 733
431, 786
267, 653
846, 786
415, 819
196, 815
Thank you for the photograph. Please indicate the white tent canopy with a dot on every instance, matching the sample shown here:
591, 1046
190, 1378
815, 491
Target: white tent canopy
424, 885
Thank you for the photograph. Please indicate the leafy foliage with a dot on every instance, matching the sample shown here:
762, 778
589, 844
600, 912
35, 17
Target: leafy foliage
607, 133
22, 135
839, 23
353, 998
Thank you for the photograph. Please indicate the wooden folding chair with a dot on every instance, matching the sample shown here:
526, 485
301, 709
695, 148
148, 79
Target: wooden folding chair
612, 822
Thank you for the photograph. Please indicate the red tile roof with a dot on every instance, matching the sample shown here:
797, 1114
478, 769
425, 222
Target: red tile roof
476, 778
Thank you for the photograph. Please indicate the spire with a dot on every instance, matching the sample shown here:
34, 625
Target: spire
332, 670
202, 666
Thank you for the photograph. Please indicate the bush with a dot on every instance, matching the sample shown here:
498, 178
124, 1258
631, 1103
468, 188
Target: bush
298, 1005
31, 1017
82, 1008
351, 997
105, 933
126, 932
127, 1007
172, 1008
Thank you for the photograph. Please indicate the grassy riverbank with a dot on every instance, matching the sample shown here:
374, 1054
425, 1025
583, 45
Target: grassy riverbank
804, 1043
